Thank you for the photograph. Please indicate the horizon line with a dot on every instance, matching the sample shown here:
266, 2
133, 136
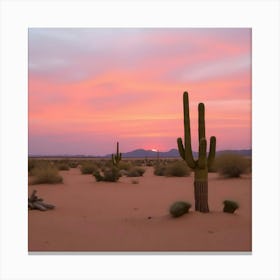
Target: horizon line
106, 155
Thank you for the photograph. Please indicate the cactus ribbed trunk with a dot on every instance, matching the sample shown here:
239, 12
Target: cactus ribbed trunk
201, 188
201, 196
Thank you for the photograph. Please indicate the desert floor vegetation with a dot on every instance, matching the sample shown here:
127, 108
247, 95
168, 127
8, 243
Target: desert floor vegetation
230, 206
136, 171
177, 169
45, 174
88, 167
232, 165
98, 215
174, 168
62, 164
179, 208
111, 174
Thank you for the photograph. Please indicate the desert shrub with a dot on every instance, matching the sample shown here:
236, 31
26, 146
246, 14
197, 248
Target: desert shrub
159, 169
230, 206
139, 162
106, 164
100, 163
177, 169
231, 165
46, 175
136, 171
124, 165
31, 164
62, 166
73, 164
172, 168
123, 172
112, 174
179, 208
109, 175
98, 176
88, 167
39, 163
134, 181
149, 162
249, 165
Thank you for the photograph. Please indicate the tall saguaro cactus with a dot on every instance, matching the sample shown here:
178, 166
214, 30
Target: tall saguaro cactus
117, 157
203, 163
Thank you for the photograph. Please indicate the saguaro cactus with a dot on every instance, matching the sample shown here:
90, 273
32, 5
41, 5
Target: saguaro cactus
203, 163
117, 157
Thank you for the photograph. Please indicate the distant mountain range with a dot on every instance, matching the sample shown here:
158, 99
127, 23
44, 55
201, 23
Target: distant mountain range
141, 153
173, 153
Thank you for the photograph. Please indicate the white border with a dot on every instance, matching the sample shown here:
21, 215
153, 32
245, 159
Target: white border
262, 16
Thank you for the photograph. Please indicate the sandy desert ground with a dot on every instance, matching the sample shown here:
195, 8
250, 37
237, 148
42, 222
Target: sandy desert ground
125, 217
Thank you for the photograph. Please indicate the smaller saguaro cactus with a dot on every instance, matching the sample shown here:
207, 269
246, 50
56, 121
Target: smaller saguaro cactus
117, 157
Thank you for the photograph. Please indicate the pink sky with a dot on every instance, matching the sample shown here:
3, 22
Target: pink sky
89, 88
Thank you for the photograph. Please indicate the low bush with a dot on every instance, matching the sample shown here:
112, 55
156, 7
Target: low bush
159, 169
172, 169
230, 206
62, 166
177, 169
98, 176
106, 164
112, 174
73, 164
124, 165
138, 162
136, 171
109, 175
232, 165
88, 167
101, 162
31, 164
46, 175
179, 208
149, 162
38, 163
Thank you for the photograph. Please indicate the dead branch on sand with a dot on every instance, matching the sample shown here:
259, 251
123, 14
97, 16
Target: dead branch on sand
34, 202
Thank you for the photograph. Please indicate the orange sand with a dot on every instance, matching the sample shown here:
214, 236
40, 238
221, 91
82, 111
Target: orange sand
99, 216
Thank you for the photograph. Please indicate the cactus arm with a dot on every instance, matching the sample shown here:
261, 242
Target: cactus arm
181, 148
201, 121
212, 151
114, 160
202, 159
188, 148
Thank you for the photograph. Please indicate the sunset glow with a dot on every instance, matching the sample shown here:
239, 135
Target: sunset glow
89, 88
